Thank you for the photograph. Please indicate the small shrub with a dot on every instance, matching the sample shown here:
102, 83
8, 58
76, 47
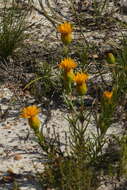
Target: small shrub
80, 165
12, 28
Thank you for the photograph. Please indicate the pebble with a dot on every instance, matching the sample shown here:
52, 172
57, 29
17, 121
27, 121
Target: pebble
18, 157
1, 151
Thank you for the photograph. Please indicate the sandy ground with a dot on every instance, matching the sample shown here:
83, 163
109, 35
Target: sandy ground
20, 159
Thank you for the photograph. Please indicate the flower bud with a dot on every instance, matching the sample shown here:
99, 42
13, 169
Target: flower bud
34, 123
111, 58
66, 38
82, 89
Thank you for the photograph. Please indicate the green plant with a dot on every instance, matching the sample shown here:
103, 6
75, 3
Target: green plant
79, 165
123, 156
16, 186
45, 81
100, 7
12, 28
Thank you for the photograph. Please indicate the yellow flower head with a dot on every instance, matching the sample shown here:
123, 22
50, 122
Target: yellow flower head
30, 111
67, 64
81, 78
65, 28
107, 95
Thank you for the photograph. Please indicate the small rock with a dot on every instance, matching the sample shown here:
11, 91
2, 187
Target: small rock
10, 171
17, 157
7, 127
1, 173
1, 150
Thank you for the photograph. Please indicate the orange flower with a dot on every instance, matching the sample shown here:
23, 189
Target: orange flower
30, 111
66, 32
65, 28
108, 95
67, 64
81, 78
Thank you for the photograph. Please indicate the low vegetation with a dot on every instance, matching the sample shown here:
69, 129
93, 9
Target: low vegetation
90, 84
